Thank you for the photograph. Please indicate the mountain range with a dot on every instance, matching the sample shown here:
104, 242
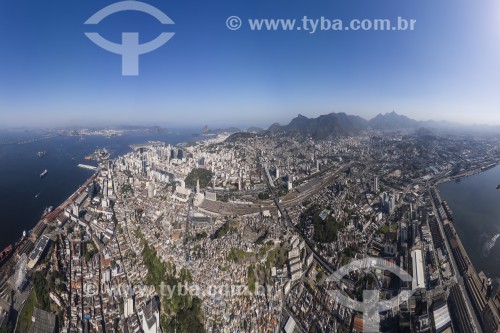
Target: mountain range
330, 125
342, 124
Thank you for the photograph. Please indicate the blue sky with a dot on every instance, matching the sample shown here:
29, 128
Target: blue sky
51, 74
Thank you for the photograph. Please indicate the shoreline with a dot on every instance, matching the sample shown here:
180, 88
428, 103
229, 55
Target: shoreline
476, 286
466, 174
40, 226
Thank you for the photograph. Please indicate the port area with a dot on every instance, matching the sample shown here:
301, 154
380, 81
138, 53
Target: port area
472, 288
12, 296
86, 166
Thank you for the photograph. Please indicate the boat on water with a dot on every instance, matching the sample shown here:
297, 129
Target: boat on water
18, 243
47, 211
36, 195
44, 173
488, 245
41, 153
5, 253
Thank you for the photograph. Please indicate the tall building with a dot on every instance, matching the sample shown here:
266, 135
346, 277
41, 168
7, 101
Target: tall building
414, 231
128, 307
76, 210
93, 189
404, 232
389, 202
151, 190
375, 184
105, 188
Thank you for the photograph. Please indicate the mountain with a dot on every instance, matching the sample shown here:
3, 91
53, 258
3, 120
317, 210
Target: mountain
254, 129
325, 126
340, 124
392, 121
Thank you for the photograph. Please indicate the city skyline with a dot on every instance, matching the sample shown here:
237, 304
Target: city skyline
250, 166
446, 69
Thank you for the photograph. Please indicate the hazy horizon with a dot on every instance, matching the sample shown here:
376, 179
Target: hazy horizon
223, 125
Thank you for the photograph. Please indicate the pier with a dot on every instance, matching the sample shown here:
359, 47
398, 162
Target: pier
89, 167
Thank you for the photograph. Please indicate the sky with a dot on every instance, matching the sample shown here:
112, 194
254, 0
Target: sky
51, 74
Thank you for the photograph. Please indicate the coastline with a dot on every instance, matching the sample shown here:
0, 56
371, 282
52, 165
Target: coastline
440, 181
466, 174
22, 187
39, 227
476, 286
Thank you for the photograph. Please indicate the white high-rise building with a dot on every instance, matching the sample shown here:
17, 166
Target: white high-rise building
151, 190
128, 307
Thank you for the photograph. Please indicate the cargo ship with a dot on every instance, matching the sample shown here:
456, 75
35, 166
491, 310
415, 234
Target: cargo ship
44, 173
5, 254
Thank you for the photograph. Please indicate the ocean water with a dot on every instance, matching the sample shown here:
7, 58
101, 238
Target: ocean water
24, 196
475, 203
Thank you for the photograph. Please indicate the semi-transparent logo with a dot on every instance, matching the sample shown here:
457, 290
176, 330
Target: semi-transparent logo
371, 305
129, 49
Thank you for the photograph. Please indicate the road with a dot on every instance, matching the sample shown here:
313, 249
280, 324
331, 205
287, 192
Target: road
290, 228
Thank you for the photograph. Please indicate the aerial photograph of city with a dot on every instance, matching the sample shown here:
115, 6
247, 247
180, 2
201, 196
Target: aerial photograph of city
274, 166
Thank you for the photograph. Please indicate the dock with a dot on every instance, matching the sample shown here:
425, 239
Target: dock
85, 166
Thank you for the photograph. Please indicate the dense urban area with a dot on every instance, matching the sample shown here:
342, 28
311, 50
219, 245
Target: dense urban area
245, 232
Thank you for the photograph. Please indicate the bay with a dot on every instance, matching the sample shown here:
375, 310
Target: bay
475, 203
24, 195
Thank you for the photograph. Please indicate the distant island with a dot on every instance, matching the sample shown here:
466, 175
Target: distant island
498, 187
